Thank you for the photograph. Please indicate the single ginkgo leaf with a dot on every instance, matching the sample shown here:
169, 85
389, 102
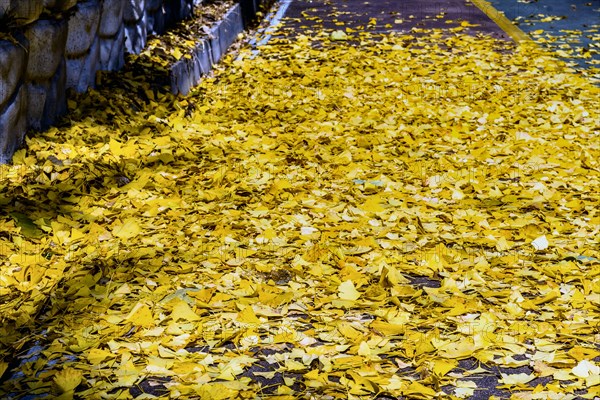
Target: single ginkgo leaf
67, 379
347, 291
338, 35
541, 243
585, 368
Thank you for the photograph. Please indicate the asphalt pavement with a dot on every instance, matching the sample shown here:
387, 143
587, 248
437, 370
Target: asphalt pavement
560, 24
384, 16
314, 17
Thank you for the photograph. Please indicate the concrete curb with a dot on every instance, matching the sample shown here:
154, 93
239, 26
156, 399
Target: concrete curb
188, 72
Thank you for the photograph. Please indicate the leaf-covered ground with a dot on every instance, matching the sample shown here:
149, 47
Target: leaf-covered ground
408, 217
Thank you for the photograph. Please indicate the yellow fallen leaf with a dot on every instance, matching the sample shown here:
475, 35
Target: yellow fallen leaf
364, 349
215, 391
441, 367
182, 310
67, 379
516, 379
338, 35
541, 243
347, 291
177, 53
460, 349
415, 388
586, 368
373, 204
465, 389
3, 368
96, 356
127, 374
388, 329
141, 315
247, 316
129, 229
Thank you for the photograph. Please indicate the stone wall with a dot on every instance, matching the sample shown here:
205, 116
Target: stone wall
47, 46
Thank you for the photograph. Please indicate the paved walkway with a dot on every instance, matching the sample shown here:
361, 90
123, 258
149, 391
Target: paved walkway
320, 17
387, 16
575, 24
569, 28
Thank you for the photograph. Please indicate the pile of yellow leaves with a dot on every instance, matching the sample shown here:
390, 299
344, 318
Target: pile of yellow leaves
334, 222
179, 42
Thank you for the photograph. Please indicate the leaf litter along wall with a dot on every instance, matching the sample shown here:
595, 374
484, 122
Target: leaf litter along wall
49, 46
315, 222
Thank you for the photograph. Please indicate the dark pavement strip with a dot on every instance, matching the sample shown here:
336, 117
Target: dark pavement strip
384, 16
576, 15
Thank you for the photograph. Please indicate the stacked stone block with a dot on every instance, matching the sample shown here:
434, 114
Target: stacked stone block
111, 33
46, 71
155, 17
249, 9
180, 9
54, 45
13, 97
23, 11
64, 47
83, 45
135, 25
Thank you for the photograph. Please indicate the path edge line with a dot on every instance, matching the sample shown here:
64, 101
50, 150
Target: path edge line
504, 23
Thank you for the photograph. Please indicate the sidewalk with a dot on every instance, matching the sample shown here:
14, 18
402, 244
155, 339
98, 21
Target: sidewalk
409, 217
384, 16
569, 28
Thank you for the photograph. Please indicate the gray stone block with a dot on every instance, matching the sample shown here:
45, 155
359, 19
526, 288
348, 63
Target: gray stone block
5, 7
47, 40
47, 101
168, 12
112, 51
153, 5
59, 5
181, 81
136, 35
56, 102
230, 27
185, 9
177, 10
36, 100
13, 125
203, 56
134, 10
186, 73
26, 11
12, 68
214, 42
224, 32
83, 28
81, 72
249, 9
111, 18
194, 68
156, 21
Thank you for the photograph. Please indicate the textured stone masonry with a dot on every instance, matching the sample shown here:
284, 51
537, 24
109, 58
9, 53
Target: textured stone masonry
59, 44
